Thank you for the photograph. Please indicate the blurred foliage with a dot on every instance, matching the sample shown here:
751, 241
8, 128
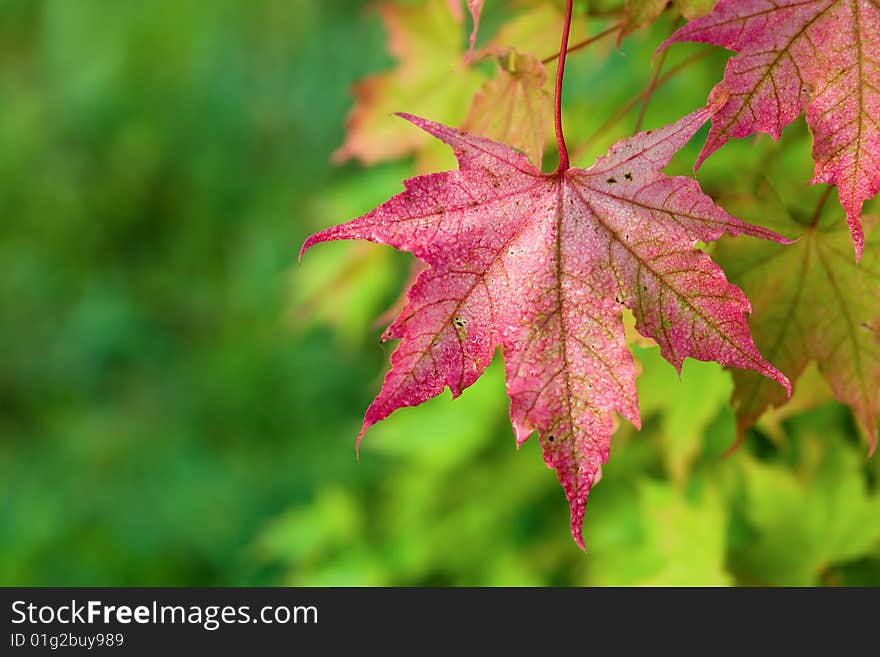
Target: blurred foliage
179, 399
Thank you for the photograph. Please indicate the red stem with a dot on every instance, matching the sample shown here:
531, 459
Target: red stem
560, 71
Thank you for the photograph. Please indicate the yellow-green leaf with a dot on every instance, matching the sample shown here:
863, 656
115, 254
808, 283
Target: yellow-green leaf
808, 520
691, 9
686, 405
656, 535
514, 107
641, 12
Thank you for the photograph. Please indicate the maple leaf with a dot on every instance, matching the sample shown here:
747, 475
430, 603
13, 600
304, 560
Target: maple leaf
514, 107
818, 55
811, 302
543, 264
819, 510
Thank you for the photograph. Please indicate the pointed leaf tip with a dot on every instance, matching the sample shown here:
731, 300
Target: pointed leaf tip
305, 247
433, 128
369, 421
718, 98
578, 534
858, 235
310, 241
360, 437
737, 443
784, 382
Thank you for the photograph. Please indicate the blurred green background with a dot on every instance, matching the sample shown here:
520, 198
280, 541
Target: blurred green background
179, 399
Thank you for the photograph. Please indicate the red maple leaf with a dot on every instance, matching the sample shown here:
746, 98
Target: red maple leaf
544, 265
818, 55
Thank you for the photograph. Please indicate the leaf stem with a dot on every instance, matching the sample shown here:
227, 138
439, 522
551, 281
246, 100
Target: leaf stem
557, 103
624, 109
652, 85
584, 43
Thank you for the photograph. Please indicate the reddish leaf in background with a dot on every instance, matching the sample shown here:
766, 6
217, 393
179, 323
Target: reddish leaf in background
543, 265
818, 55
455, 9
476, 8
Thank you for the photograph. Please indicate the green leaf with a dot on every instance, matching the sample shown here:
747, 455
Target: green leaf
686, 405
810, 301
348, 286
439, 435
807, 521
657, 535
